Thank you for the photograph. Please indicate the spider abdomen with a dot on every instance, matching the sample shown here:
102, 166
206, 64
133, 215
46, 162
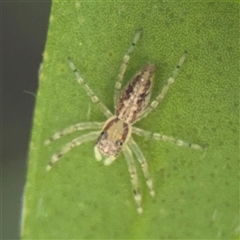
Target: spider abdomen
136, 95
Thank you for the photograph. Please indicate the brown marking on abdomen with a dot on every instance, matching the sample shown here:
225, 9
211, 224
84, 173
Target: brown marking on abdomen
135, 96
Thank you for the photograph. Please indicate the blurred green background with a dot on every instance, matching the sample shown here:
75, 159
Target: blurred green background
24, 27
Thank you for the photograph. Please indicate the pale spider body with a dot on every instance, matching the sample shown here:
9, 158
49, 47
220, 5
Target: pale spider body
131, 103
115, 135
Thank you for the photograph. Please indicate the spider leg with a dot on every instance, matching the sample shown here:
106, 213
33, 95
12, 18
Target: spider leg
73, 128
159, 136
140, 157
134, 179
75, 142
89, 91
118, 85
162, 94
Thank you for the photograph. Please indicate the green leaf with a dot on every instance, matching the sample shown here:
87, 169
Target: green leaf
197, 192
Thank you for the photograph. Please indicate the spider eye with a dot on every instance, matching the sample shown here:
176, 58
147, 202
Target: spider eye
119, 143
104, 134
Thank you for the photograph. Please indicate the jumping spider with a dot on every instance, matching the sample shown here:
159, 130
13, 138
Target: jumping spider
131, 105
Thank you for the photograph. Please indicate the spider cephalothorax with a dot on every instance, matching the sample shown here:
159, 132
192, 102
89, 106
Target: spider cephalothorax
111, 140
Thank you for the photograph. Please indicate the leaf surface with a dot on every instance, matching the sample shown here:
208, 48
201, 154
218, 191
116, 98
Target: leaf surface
197, 192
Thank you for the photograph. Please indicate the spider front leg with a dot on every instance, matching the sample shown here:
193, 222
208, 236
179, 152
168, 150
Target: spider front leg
73, 128
141, 159
134, 179
75, 142
89, 91
160, 97
158, 136
118, 85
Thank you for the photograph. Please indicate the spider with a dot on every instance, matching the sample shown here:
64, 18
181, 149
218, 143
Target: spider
115, 135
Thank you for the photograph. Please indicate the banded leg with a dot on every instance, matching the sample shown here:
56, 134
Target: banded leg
134, 179
89, 91
140, 157
160, 97
158, 136
73, 128
75, 142
123, 67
